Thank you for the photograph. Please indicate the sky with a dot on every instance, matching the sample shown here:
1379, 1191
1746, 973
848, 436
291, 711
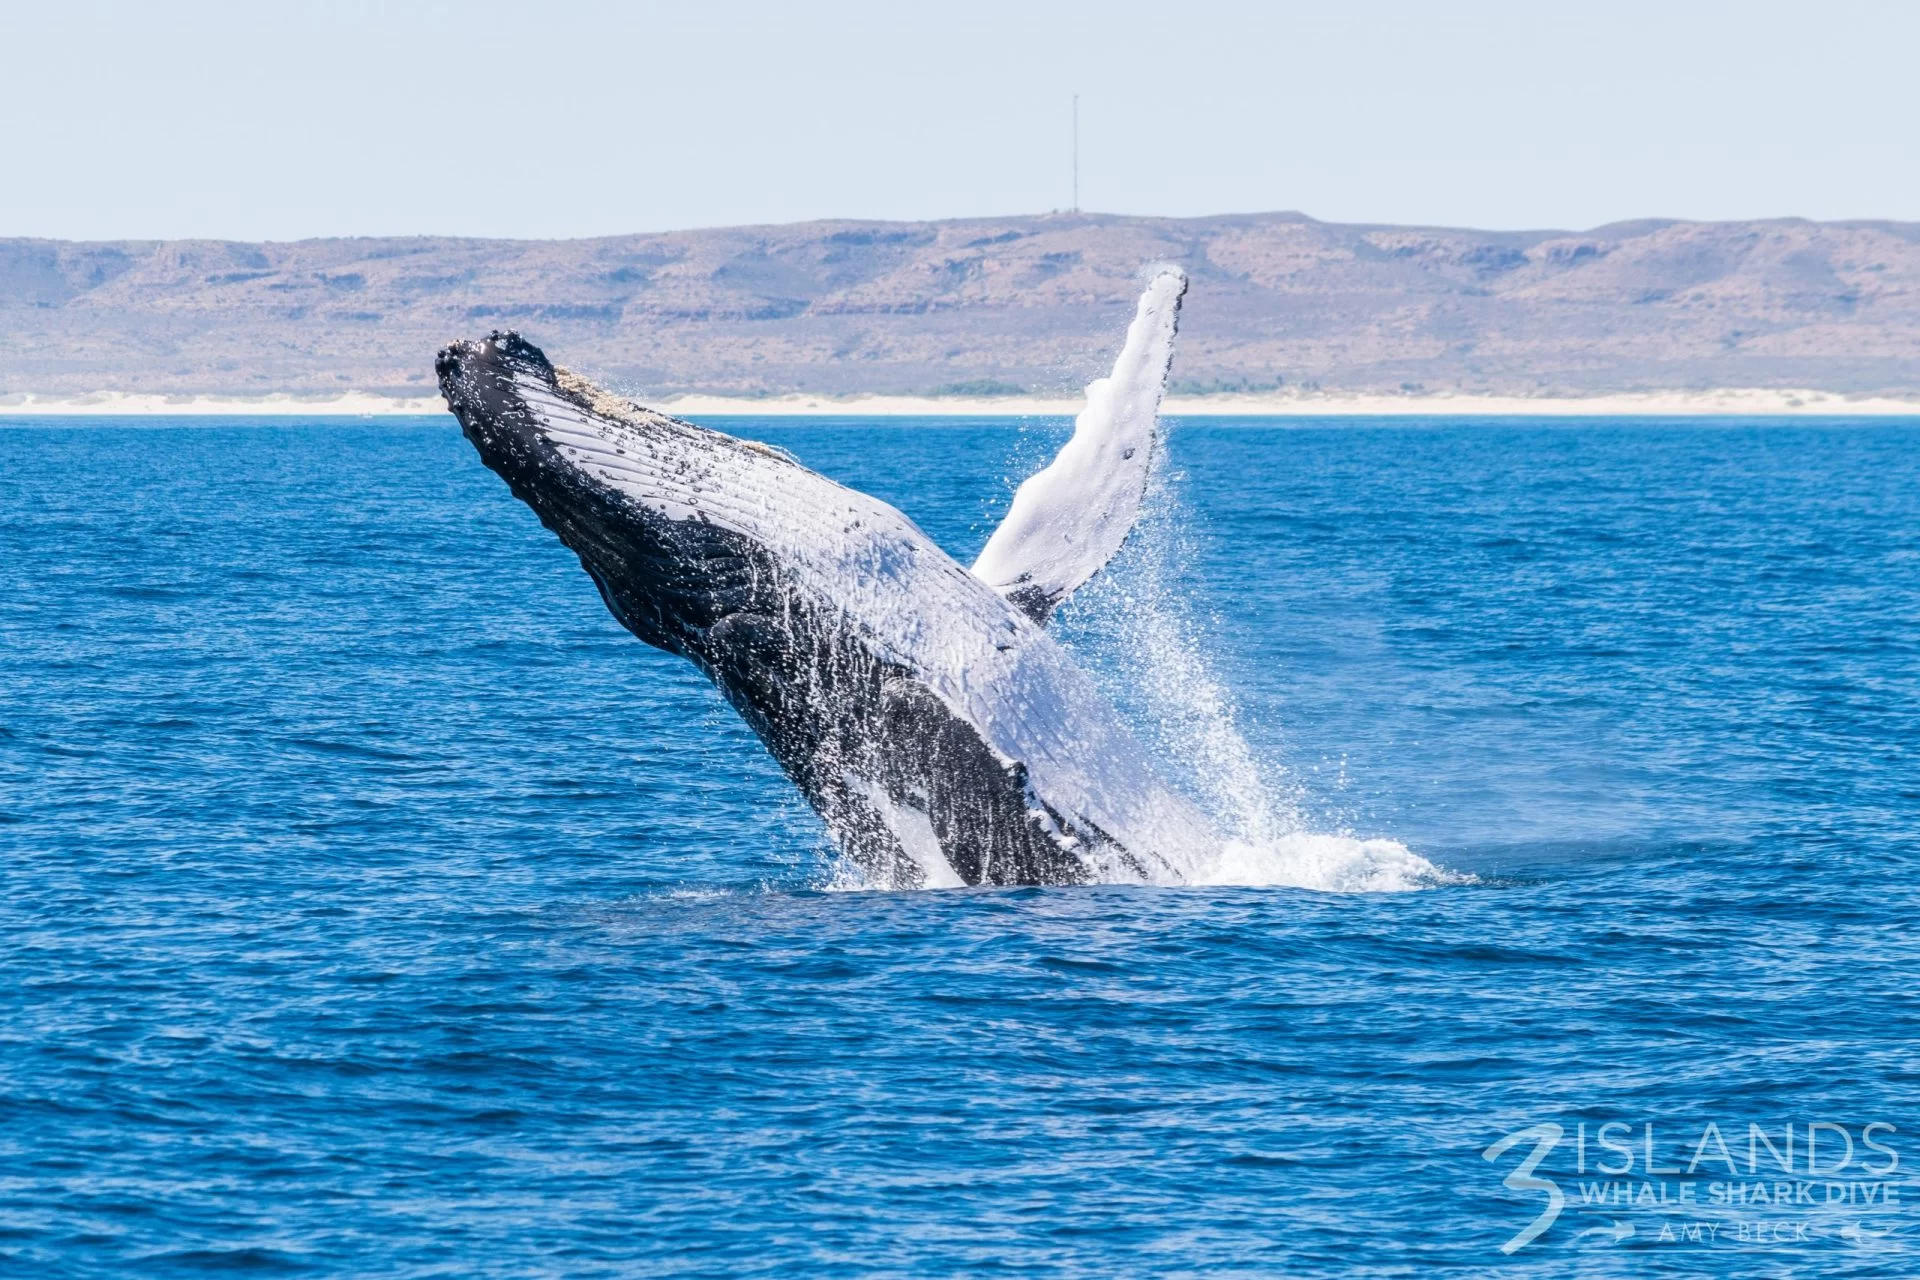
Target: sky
565, 118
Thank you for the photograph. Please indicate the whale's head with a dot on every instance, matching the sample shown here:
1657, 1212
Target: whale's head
651, 504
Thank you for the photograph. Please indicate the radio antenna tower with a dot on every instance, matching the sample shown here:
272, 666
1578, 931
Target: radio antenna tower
1076, 153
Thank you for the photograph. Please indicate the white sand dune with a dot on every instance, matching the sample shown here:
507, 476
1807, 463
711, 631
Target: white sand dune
1726, 401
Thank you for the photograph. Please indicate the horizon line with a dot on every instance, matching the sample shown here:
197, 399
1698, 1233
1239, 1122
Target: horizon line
1061, 215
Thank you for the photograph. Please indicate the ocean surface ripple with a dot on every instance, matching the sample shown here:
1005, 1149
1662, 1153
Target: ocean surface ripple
373, 904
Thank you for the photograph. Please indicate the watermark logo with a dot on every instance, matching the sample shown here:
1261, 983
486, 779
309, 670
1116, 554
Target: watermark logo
1545, 1137
1748, 1183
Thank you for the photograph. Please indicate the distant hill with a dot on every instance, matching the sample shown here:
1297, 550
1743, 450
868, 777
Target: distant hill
988, 305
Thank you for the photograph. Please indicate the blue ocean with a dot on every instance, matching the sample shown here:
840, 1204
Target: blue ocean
371, 904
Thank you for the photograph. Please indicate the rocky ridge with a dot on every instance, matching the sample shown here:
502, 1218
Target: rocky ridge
987, 306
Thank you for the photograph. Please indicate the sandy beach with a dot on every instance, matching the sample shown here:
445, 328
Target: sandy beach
1725, 402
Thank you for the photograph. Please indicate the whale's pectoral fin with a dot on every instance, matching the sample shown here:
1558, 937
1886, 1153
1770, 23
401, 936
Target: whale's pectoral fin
1072, 516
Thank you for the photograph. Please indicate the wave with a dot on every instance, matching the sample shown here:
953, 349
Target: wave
1328, 863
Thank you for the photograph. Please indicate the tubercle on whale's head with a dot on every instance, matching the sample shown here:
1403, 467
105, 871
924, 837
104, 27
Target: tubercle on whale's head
501, 344
491, 385
463, 365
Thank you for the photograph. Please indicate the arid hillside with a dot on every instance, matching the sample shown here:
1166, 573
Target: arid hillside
985, 305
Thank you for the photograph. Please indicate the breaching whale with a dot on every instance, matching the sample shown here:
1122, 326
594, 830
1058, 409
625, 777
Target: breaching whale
939, 731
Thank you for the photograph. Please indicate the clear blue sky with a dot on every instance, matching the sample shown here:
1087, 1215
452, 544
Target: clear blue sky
271, 121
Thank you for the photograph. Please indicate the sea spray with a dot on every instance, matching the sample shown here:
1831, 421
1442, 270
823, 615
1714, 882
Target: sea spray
1147, 645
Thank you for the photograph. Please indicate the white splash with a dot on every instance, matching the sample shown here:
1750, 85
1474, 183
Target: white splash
1329, 863
1149, 653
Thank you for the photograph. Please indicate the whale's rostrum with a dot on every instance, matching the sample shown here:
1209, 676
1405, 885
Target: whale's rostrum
941, 734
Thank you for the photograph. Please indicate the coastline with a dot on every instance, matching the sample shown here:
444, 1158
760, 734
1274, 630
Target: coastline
1724, 402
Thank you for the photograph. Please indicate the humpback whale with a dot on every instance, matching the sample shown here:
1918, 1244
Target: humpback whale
922, 708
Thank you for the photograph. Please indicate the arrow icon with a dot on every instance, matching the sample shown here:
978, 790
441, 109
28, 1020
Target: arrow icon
1858, 1232
1619, 1231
